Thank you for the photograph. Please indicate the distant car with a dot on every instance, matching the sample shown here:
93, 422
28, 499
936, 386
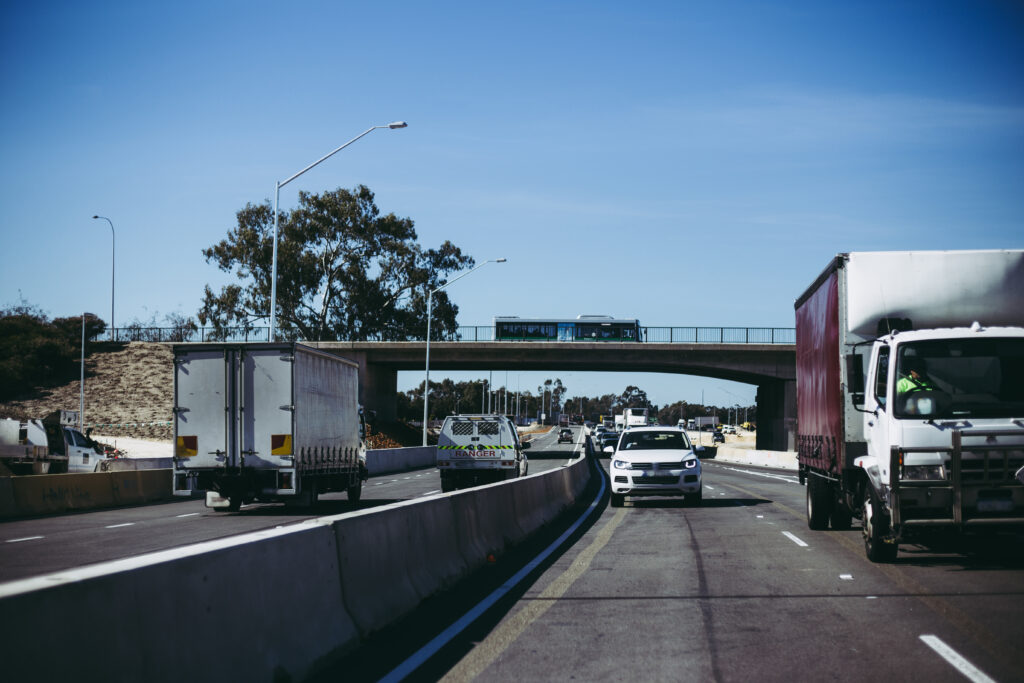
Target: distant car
607, 439
728, 429
565, 435
656, 461
717, 437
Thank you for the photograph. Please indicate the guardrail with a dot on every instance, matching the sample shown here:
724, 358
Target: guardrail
466, 333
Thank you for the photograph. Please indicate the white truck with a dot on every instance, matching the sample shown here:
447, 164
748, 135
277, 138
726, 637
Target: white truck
266, 422
910, 394
479, 449
52, 445
634, 417
620, 422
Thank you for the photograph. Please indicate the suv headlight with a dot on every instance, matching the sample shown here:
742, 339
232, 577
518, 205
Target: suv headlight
690, 464
620, 464
924, 472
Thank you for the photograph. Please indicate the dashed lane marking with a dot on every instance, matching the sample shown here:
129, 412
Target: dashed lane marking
957, 660
794, 539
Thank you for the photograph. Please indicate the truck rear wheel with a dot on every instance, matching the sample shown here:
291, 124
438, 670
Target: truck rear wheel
876, 527
355, 492
819, 504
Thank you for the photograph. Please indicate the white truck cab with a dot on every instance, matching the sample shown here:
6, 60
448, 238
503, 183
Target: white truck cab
479, 449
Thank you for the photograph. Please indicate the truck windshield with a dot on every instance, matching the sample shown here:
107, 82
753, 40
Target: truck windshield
958, 378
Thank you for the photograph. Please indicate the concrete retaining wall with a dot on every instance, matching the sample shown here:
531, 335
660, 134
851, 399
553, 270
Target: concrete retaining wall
268, 606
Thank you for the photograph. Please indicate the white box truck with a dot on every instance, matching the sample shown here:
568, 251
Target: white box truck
910, 394
479, 449
266, 422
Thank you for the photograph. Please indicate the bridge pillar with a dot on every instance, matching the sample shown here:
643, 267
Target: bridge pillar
378, 385
776, 415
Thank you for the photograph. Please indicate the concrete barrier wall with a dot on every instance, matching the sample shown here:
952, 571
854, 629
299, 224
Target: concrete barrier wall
388, 460
274, 605
57, 493
744, 456
134, 481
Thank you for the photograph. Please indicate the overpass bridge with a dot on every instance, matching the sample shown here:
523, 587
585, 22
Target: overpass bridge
769, 366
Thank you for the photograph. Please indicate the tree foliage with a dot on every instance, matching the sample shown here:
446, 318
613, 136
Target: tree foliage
344, 272
36, 351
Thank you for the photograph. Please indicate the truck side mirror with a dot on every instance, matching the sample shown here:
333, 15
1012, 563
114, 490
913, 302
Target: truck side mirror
855, 375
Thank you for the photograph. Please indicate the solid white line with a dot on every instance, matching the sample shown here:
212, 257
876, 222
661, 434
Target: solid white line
190, 514
430, 493
970, 671
788, 480
794, 539
117, 526
446, 636
19, 540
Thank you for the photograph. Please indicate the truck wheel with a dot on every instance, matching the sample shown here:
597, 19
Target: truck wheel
876, 528
355, 492
234, 503
618, 500
818, 504
447, 485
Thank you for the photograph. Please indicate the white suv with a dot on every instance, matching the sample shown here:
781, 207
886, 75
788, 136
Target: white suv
655, 461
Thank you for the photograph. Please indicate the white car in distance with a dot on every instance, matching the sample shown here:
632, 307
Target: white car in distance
655, 461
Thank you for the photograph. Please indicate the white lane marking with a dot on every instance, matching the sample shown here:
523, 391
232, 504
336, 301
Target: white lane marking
19, 540
709, 488
957, 660
794, 539
430, 493
760, 516
118, 526
430, 649
846, 577
190, 514
788, 480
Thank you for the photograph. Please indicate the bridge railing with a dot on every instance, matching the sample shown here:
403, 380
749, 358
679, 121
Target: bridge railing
465, 333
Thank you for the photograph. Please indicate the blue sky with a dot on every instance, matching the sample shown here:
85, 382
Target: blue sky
681, 163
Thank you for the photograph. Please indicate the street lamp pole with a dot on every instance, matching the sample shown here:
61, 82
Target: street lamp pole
277, 198
111, 274
430, 308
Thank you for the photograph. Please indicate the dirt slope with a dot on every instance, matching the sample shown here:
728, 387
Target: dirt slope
129, 386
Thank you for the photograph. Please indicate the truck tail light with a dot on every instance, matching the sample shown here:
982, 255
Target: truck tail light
186, 446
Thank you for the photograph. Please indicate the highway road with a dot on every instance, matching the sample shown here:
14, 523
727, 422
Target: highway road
42, 545
738, 589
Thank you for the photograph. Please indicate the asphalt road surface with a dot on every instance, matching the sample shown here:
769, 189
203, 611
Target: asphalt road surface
42, 545
737, 589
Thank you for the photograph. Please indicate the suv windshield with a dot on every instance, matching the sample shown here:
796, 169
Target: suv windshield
956, 378
648, 441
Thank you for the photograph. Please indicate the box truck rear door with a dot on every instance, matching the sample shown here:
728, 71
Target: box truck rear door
203, 407
266, 415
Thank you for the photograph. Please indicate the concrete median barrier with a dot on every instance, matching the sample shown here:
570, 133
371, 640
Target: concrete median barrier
387, 460
45, 494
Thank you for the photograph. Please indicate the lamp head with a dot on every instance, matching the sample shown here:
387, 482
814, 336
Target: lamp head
500, 260
398, 124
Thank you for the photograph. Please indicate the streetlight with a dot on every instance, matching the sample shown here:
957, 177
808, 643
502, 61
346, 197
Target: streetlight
430, 308
277, 197
111, 274
81, 382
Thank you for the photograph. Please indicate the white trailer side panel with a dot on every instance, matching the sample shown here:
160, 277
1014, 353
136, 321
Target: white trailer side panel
934, 288
326, 394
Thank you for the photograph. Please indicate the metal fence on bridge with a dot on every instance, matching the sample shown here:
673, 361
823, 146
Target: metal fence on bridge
478, 333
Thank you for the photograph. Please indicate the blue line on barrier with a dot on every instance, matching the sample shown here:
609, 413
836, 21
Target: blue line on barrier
442, 639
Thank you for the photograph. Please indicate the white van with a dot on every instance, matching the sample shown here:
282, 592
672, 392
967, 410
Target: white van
479, 449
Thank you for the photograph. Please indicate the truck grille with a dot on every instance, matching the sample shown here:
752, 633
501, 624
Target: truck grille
976, 468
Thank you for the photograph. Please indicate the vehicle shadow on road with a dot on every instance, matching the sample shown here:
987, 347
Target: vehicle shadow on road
706, 503
322, 508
